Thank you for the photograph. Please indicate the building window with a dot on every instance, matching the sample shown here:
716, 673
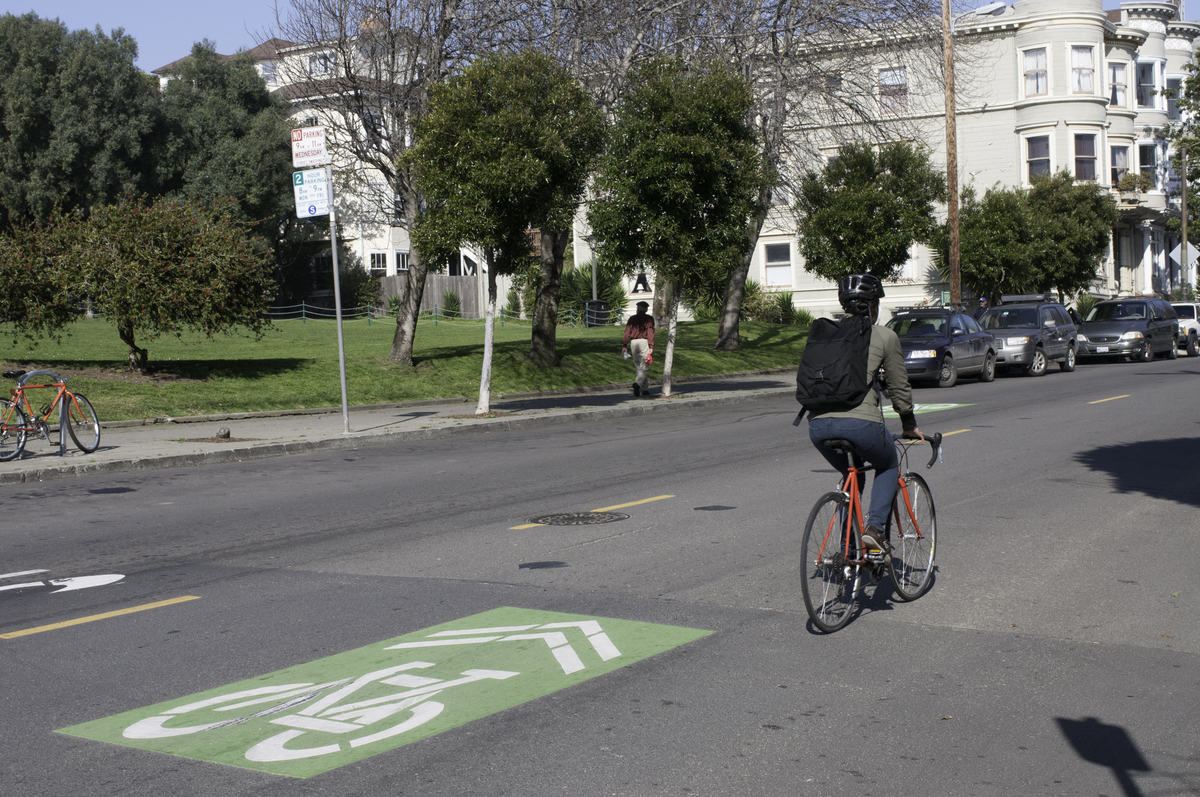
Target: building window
1085, 156
309, 121
780, 194
270, 72
1035, 72
1038, 156
893, 90
1120, 163
320, 64
1116, 85
1172, 92
1082, 70
1148, 163
1145, 85
778, 264
378, 264
401, 261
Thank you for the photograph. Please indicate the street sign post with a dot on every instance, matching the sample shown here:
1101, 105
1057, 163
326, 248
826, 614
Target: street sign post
313, 190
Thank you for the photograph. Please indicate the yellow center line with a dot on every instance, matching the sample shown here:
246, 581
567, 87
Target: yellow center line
633, 503
94, 617
601, 509
1114, 398
960, 431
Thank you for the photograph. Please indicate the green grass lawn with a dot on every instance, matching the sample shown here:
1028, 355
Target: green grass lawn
295, 365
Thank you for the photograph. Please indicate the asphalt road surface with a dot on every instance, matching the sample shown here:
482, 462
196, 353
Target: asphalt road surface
434, 641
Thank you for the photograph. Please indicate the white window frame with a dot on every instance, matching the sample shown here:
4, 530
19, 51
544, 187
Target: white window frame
1113, 175
774, 271
377, 263
1079, 72
1115, 86
1094, 135
1155, 87
401, 261
1027, 73
1142, 167
1026, 140
322, 63
1172, 96
893, 95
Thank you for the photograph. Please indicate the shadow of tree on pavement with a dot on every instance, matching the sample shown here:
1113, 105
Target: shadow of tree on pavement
1158, 468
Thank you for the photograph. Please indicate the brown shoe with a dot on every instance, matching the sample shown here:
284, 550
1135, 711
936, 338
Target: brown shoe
874, 539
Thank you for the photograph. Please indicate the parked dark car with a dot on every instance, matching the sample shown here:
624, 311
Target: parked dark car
1136, 328
941, 345
1030, 335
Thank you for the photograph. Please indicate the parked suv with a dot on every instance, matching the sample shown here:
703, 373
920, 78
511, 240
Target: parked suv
1189, 326
941, 345
1137, 328
1031, 334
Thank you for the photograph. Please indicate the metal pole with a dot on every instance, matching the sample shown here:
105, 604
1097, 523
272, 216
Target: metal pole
337, 300
951, 157
1186, 270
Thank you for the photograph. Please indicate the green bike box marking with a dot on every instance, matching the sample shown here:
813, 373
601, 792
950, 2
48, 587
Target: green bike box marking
314, 717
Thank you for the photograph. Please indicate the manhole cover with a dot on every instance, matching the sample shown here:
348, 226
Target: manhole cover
579, 518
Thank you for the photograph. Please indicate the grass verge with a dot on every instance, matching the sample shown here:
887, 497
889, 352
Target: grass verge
296, 364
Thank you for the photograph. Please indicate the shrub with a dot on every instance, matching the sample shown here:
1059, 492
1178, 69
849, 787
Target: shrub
1084, 303
450, 302
513, 305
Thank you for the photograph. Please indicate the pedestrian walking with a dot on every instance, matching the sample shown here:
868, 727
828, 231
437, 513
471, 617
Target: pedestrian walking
982, 308
639, 341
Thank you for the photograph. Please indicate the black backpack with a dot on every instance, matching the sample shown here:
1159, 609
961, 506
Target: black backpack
833, 371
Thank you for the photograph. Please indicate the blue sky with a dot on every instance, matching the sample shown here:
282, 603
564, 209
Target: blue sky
166, 31
163, 31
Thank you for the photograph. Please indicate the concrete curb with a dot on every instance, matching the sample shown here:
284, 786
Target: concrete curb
482, 426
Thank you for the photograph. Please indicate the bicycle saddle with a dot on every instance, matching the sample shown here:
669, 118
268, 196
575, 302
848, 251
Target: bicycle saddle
838, 444
13, 374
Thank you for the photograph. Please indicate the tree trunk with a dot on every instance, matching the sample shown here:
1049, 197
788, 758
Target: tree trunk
138, 356
543, 344
669, 359
735, 290
410, 300
664, 296
489, 329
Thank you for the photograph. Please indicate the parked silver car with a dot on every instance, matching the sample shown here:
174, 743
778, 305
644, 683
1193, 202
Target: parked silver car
1030, 335
1137, 328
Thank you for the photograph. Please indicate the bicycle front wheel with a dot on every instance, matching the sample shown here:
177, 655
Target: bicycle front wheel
830, 570
914, 539
82, 423
12, 430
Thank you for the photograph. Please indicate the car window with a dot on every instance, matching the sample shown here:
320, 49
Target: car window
1166, 310
1185, 310
1009, 318
919, 327
1118, 311
1048, 317
972, 324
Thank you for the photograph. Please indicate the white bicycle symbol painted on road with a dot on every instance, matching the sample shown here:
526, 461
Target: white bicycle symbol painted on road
320, 710
64, 584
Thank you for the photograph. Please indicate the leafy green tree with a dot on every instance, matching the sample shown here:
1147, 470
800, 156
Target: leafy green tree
1073, 224
38, 277
505, 146
76, 116
995, 241
864, 210
160, 268
679, 181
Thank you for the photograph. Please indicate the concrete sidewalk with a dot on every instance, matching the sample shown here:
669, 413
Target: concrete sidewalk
187, 442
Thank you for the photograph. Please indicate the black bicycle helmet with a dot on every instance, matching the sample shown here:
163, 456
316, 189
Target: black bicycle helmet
857, 292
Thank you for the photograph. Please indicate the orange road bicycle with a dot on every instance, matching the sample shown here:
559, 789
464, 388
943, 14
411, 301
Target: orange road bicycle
18, 420
833, 560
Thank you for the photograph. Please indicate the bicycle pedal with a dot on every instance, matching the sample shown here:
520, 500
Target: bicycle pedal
875, 555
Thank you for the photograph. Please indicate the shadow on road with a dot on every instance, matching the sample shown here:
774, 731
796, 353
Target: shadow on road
614, 399
1157, 468
1106, 746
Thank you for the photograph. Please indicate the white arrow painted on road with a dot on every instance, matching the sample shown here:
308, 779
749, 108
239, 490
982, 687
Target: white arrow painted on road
557, 641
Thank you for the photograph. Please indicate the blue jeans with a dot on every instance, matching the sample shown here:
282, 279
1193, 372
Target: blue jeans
874, 444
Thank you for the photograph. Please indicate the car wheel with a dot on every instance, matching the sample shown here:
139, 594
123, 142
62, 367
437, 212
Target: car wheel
1037, 365
1068, 364
989, 368
949, 373
1146, 354
1192, 348
1173, 352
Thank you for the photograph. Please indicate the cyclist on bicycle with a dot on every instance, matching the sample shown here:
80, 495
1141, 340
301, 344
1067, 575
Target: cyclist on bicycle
859, 294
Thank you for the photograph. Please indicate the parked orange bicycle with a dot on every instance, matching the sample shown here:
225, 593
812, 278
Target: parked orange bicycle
18, 420
833, 560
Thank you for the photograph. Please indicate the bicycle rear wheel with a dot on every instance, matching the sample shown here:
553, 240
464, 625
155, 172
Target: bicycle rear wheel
830, 576
82, 423
913, 544
12, 430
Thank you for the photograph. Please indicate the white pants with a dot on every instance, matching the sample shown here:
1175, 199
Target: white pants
638, 349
